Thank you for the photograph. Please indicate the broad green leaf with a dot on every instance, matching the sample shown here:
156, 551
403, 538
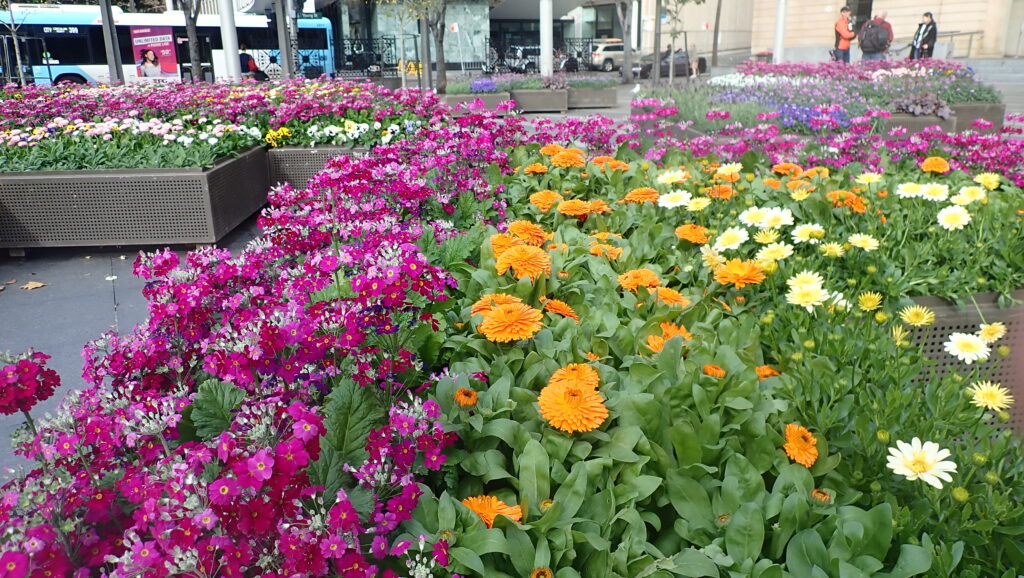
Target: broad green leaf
805, 552
211, 410
350, 413
534, 480
744, 536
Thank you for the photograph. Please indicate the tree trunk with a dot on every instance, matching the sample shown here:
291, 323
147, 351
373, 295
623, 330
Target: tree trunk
437, 26
191, 10
714, 40
627, 40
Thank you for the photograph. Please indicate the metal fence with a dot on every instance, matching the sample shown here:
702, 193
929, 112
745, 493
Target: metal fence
367, 55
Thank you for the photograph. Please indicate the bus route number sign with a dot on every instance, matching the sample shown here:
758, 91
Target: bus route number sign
60, 30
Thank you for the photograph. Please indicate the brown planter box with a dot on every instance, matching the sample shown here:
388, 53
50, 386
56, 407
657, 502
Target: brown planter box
950, 319
491, 100
541, 100
131, 207
968, 112
915, 124
296, 165
593, 97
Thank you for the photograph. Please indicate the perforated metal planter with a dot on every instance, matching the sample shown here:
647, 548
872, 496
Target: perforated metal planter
131, 207
296, 165
544, 100
1009, 370
593, 97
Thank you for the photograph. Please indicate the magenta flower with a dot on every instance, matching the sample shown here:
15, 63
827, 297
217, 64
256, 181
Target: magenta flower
223, 491
261, 465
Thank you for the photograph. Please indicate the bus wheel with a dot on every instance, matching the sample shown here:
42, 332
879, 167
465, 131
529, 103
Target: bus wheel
70, 78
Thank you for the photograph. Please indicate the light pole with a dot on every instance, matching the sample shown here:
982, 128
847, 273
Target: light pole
780, 31
229, 38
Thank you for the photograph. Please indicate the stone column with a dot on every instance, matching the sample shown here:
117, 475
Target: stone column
229, 38
547, 37
780, 32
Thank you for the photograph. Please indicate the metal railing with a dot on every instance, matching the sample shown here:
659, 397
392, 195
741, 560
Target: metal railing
902, 46
367, 55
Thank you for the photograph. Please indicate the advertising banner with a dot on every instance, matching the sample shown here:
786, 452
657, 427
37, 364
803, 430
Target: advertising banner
153, 50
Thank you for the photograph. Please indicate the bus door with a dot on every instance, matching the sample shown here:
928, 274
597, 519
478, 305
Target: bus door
205, 54
32, 64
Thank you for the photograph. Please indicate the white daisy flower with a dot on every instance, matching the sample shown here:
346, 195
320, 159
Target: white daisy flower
674, 199
753, 217
954, 218
909, 190
866, 242
671, 177
807, 296
774, 252
967, 348
776, 217
731, 238
935, 192
806, 279
811, 233
921, 461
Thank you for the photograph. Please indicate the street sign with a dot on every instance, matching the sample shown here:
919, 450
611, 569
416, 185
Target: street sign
454, 27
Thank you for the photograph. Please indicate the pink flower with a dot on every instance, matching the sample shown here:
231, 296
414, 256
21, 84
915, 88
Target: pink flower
261, 465
223, 491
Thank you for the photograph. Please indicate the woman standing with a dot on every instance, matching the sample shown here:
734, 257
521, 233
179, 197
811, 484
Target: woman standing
924, 39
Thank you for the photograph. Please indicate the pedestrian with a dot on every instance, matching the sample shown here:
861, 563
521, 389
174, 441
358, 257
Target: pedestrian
572, 64
875, 37
924, 39
249, 66
844, 34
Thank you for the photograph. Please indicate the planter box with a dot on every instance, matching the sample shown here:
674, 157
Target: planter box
541, 100
131, 207
593, 97
968, 112
491, 100
1009, 371
915, 124
296, 165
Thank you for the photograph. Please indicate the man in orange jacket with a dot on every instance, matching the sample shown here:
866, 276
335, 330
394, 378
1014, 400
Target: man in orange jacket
844, 34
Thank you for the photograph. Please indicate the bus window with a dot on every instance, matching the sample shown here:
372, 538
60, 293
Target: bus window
68, 48
312, 38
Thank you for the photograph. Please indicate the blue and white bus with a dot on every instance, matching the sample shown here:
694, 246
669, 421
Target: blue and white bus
64, 43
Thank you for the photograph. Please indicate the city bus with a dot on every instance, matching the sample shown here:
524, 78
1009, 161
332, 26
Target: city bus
64, 43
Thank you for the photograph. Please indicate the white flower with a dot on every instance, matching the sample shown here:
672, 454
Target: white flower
712, 259
909, 190
776, 217
970, 195
774, 252
935, 192
838, 301
674, 199
917, 461
967, 348
808, 233
807, 296
992, 332
698, 204
954, 218
805, 279
866, 242
671, 177
731, 238
753, 217
730, 168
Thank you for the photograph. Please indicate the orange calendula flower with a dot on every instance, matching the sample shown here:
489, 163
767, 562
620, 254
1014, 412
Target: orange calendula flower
566, 159
545, 199
815, 172
575, 374
598, 206
821, 496
724, 192
492, 300
641, 195
787, 169
525, 261
511, 322
551, 150
490, 507
574, 208
605, 235
630, 280
714, 371
592, 356
530, 233
739, 273
935, 165
503, 242
611, 252
800, 184
465, 397
561, 308
572, 406
772, 183
800, 445
557, 247
693, 233
766, 371
536, 169
668, 330
542, 573
670, 297
727, 177
841, 198
602, 160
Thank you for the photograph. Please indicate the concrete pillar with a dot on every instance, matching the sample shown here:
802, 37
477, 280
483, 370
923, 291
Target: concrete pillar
229, 39
283, 45
634, 27
113, 51
780, 32
547, 37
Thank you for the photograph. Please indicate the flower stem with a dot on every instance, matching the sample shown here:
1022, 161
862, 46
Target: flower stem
31, 424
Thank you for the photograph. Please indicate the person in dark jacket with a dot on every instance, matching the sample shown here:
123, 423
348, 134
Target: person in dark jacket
924, 39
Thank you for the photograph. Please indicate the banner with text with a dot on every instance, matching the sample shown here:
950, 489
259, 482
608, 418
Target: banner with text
153, 50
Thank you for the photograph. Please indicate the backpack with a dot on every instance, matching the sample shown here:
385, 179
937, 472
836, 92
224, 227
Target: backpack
873, 37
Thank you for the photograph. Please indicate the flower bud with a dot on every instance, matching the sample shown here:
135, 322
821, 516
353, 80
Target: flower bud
961, 494
881, 317
876, 487
809, 344
872, 269
797, 356
545, 505
992, 478
883, 436
979, 458
723, 520
1003, 350
1003, 416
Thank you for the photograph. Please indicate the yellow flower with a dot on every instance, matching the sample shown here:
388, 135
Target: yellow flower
730, 168
869, 301
800, 194
766, 236
698, 204
917, 315
992, 332
988, 180
866, 242
868, 178
900, 335
990, 396
832, 250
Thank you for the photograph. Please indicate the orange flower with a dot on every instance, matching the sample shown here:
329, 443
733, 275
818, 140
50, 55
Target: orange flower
800, 184
536, 169
492, 300
772, 183
935, 165
766, 371
557, 247
670, 297
561, 308
611, 252
563, 274
542, 573
724, 192
503, 242
815, 172
630, 280
511, 322
670, 330
592, 356
714, 371
616, 165
599, 206
602, 160
842, 198
465, 397
575, 374
551, 150
543, 200
641, 195
692, 233
567, 159
530, 233
572, 407
821, 496
787, 169
525, 261
605, 235
727, 177
574, 208
882, 194
490, 507
800, 445
739, 273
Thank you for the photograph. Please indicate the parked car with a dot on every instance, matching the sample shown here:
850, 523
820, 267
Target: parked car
681, 62
608, 55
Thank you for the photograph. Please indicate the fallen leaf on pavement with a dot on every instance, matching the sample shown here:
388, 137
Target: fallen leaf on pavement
33, 285
11, 282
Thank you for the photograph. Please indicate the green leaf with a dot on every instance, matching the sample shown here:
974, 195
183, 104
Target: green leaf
468, 558
534, 476
744, 536
485, 541
805, 552
327, 471
211, 410
913, 560
351, 412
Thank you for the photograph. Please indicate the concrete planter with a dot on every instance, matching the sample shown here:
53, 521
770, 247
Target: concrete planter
296, 165
541, 100
1009, 371
915, 124
491, 100
131, 207
593, 97
968, 112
